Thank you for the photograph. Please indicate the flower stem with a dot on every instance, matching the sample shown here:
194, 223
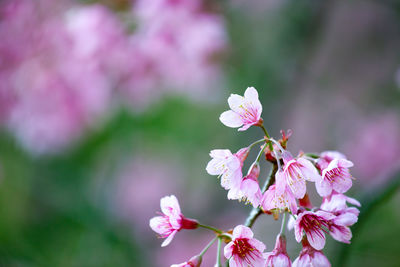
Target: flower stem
267, 135
218, 261
210, 228
208, 246
256, 142
282, 232
260, 153
255, 212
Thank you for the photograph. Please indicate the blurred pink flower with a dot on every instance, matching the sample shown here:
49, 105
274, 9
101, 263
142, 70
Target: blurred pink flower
59, 85
376, 140
244, 111
175, 44
244, 250
53, 93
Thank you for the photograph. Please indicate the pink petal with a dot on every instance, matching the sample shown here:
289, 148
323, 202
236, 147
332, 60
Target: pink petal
228, 250
245, 127
235, 101
323, 187
298, 187
345, 163
170, 206
220, 153
280, 182
251, 96
260, 246
346, 219
316, 239
353, 201
168, 239
156, 224
342, 185
298, 230
231, 119
341, 233
242, 231
214, 167
320, 260
308, 170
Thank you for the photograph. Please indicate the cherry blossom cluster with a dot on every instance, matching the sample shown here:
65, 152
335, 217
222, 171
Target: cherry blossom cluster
284, 193
63, 64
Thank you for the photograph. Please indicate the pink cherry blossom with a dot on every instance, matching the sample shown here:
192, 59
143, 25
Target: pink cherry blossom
193, 262
250, 188
337, 202
244, 250
326, 157
345, 216
279, 196
335, 176
296, 171
279, 257
244, 111
314, 224
310, 257
229, 167
172, 221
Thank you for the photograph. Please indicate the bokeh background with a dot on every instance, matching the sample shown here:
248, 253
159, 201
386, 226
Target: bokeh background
107, 106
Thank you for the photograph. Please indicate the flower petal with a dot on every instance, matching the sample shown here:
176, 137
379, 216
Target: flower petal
231, 119
235, 101
316, 239
168, 239
242, 231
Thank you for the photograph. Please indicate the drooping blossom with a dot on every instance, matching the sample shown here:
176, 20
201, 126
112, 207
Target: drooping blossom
193, 262
249, 187
279, 196
244, 111
345, 216
229, 167
172, 221
310, 257
296, 171
316, 224
336, 176
279, 256
244, 250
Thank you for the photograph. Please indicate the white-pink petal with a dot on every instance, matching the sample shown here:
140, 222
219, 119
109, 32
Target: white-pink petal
169, 239
242, 231
231, 119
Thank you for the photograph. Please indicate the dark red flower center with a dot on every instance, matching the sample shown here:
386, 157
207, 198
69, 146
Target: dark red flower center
242, 247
